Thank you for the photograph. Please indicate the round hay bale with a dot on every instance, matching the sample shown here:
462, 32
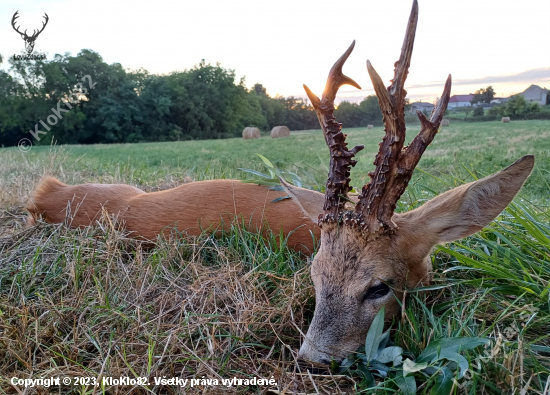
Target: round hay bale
505, 119
370, 126
445, 122
251, 133
280, 131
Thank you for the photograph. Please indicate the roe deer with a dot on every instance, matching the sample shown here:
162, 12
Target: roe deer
368, 255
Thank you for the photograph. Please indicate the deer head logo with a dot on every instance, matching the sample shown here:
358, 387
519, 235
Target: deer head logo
29, 40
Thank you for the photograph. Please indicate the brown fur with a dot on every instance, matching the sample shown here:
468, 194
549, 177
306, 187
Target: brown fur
189, 207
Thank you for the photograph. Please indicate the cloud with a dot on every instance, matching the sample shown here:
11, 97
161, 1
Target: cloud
527, 76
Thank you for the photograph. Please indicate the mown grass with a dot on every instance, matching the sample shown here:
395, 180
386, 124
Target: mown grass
93, 302
484, 147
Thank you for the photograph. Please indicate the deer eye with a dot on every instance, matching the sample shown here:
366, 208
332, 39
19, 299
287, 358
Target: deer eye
376, 292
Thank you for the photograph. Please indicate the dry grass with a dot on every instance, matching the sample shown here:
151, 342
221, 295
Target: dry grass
94, 302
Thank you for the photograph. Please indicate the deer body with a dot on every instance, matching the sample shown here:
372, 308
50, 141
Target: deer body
190, 208
368, 254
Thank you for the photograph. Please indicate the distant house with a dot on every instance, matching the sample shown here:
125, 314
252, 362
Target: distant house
424, 107
536, 94
460, 101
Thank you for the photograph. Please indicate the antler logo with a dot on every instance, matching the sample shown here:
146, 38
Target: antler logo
29, 40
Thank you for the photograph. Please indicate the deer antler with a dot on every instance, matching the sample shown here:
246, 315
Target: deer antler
341, 159
35, 33
395, 164
47, 18
15, 16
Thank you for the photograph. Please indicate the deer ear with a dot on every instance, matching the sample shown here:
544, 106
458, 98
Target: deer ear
310, 202
467, 209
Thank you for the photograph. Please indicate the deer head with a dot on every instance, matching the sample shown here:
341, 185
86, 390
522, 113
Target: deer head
368, 254
29, 40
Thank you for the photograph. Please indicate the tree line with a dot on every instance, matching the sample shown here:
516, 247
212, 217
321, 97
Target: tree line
83, 100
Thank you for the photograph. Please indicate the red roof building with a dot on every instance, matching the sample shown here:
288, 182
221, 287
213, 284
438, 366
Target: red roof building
460, 101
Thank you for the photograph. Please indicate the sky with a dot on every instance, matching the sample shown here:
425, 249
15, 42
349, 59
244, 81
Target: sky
283, 44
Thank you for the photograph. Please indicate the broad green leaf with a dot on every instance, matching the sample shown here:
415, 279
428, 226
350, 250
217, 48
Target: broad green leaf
278, 188
374, 335
266, 161
451, 344
407, 385
443, 382
536, 347
382, 369
411, 367
391, 354
346, 363
366, 374
456, 357
383, 340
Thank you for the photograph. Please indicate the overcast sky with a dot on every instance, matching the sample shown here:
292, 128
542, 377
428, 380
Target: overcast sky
285, 43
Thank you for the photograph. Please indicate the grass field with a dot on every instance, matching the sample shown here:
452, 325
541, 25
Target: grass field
92, 302
481, 148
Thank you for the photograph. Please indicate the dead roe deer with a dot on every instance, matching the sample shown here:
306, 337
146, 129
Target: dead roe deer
368, 254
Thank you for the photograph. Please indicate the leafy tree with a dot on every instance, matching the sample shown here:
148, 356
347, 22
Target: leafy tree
483, 95
362, 114
371, 109
349, 114
130, 106
496, 110
206, 102
478, 111
260, 90
155, 102
517, 106
300, 115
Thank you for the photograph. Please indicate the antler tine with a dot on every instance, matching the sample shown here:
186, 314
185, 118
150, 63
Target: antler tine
401, 70
428, 129
47, 18
36, 33
336, 78
441, 105
411, 155
394, 165
14, 17
341, 159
